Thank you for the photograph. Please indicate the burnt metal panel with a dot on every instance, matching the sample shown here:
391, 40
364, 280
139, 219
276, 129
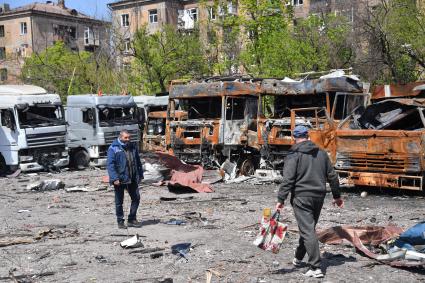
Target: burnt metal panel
212, 89
305, 87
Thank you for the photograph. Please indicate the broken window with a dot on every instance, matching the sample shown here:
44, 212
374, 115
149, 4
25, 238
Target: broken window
64, 33
2, 53
125, 20
239, 108
3, 74
117, 116
212, 13
88, 116
276, 107
153, 16
41, 115
24, 29
202, 107
392, 115
194, 14
7, 118
156, 126
297, 2
127, 45
346, 103
2, 31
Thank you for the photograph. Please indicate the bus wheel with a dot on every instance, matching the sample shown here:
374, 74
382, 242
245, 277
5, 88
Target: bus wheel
81, 159
247, 167
3, 166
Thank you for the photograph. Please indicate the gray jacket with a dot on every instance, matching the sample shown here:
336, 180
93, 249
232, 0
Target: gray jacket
305, 173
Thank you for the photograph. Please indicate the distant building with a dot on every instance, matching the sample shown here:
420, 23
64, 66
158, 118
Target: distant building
34, 27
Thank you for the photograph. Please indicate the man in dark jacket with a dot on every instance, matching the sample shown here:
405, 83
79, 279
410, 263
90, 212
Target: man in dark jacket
125, 173
306, 171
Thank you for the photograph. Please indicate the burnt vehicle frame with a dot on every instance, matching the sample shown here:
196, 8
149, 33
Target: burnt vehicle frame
382, 147
221, 124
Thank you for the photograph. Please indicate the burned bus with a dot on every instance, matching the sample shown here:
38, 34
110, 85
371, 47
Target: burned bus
221, 122
382, 146
316, 103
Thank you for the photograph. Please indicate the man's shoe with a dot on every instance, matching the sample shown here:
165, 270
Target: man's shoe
315, 273
134, 223
297, 262
121, 225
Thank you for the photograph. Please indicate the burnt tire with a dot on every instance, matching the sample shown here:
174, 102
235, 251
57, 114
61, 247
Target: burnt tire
81, 160
247, 167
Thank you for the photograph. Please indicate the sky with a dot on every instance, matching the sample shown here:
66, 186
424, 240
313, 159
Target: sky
93, 8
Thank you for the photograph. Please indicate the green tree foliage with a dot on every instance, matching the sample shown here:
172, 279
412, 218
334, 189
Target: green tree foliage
276, 48
396, 33
64, 71
163, 56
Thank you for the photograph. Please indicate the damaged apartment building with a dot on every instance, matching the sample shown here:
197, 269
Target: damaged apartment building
36, 26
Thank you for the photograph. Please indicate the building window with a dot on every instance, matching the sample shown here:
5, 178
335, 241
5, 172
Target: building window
3, 74
2, 53
297, 2
125, 20
194, 14
127, 45
86, 36
24, 29
153, 16
1, 31
212, 13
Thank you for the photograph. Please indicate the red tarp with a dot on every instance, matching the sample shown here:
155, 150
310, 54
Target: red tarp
184, 175
359, 236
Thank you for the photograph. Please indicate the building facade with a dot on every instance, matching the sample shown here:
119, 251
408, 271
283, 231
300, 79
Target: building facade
34, 27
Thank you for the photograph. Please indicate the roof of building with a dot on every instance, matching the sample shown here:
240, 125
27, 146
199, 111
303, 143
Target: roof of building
21, 90
50, 8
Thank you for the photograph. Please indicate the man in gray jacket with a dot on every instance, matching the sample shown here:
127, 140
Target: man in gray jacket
307, 169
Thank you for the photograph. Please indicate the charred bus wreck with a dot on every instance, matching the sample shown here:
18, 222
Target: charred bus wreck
382, 146
221, 122
250, 122
315, 103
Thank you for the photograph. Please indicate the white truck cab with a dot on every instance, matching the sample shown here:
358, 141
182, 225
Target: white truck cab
94, 122
32, 130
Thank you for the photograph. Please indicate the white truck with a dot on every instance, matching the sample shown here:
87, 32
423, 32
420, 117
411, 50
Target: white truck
94, 122
33, 129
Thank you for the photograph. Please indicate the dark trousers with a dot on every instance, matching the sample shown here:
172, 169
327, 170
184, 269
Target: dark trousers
307, 212
133, 191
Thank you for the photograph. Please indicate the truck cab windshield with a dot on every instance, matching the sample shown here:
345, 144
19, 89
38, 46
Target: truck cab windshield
41, 116
111, 116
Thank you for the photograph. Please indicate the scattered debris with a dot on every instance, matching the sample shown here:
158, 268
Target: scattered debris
14, 174
175, 222
84, 189
156, 255
182, 250
46, 185
133, 242
374, 236
101, 259
23, 210
228, 170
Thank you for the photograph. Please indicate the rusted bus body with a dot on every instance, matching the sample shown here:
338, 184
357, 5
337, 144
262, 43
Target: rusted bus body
221, 124
154, 130
317, 104
384, 146
381, 158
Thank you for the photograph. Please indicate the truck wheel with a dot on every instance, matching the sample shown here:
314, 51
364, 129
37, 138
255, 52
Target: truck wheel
3, 167
81, 159
247, 167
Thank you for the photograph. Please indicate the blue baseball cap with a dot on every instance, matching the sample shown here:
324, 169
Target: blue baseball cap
300, 132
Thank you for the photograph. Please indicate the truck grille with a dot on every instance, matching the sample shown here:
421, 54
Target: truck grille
111, 136
378, 162
46, 139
